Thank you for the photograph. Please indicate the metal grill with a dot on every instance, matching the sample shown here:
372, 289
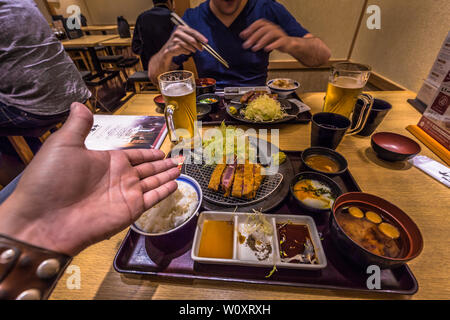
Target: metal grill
203, 172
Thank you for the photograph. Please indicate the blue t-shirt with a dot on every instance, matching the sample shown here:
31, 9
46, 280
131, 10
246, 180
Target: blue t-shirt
247, 68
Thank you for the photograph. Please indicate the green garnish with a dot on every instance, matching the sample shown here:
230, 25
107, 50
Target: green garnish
272, 272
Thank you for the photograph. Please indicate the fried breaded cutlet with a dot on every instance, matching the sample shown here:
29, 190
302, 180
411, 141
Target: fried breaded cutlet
227, 179
257, 178
247, 190
238, 181
216, 177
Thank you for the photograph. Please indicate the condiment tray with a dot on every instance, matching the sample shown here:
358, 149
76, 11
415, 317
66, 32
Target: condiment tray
239, 219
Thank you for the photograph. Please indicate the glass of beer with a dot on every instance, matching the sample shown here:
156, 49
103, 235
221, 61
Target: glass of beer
178, 90
345, 85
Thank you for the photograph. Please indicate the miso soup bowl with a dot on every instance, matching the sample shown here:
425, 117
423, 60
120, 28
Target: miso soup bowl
410, 235
177, 238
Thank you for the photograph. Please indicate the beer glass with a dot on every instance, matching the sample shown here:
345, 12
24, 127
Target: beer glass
178, 90
345, 85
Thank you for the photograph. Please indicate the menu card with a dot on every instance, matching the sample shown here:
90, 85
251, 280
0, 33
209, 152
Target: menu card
437, 74
436, 118
111, 132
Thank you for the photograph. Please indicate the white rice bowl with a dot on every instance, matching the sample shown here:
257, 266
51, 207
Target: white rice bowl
171, 212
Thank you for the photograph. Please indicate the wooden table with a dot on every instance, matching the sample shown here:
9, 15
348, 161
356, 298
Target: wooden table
89, 42
117, 42
423, 198
103, 29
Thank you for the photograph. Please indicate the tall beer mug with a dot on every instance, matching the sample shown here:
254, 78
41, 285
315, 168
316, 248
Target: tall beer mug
178, 90
345, 85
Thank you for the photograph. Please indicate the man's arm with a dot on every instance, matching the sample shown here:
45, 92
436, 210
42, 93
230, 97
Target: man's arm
263, 34
184, 40
309, 50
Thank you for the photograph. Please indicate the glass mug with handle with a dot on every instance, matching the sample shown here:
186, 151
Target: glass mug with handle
345, 85
178, 90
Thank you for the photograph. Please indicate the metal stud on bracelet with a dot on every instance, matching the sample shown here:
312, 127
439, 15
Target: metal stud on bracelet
31, 294
28, 272
48, 269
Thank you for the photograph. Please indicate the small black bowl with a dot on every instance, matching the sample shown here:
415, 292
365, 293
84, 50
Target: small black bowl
202, 110
336, 191
333, 155
205, 85
213, 105
159, 101
394, 147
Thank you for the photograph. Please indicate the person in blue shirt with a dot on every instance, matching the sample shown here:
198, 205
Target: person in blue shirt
243, 32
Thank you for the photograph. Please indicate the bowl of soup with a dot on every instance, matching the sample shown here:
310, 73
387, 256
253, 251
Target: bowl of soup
324, 160
369, 230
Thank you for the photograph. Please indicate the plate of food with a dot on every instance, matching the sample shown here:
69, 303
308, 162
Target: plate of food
248, 175
260, 107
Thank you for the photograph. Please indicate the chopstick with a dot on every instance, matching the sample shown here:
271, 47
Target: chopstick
179, 22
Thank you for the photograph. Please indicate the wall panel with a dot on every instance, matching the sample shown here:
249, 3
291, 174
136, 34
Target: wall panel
411, 34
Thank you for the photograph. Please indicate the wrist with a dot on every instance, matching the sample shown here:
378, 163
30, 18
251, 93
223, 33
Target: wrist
290, 46
18, 223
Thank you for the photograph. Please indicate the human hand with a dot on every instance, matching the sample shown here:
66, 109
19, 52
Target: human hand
184, 40
70, 197
263, 34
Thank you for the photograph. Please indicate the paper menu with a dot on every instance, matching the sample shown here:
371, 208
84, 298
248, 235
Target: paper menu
111, 132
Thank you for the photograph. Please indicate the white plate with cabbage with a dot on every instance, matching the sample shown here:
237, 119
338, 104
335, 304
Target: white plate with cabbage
264, 109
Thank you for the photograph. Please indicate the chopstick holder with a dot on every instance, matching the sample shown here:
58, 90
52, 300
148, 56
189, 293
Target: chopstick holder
433, 168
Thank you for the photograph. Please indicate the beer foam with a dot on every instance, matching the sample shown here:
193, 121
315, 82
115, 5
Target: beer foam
178, 89
348, 83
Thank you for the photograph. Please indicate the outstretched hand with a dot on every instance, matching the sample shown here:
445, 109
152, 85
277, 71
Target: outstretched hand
70, 197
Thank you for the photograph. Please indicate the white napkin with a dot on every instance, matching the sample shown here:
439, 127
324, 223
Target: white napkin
433, 168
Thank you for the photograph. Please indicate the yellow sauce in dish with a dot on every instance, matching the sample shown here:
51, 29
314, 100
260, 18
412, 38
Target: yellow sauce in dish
322, 163
217, 240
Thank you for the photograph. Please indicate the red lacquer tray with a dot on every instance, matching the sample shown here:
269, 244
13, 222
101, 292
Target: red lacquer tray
340, 274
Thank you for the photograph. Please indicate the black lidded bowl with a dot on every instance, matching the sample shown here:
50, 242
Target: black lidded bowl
412, 241
333, 155
205, 85
172, 240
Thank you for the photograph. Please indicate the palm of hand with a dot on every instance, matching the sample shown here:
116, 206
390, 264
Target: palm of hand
73, 197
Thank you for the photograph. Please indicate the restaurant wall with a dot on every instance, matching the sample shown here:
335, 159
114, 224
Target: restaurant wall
411, 34
107, 11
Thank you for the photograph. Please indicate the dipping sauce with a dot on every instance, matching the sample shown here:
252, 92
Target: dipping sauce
295, 244
314, 194
322, 163
370, 230
217, 240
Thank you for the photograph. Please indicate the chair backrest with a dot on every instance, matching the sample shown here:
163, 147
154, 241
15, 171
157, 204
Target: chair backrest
71, 33
123, 27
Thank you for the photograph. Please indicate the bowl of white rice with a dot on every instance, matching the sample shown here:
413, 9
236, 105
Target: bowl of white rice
171, 223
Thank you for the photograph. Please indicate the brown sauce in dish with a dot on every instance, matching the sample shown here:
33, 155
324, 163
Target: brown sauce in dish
295, 244
322, 163
368, 234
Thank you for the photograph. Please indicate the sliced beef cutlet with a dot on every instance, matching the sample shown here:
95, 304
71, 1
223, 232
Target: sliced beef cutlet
227, 179
247, 190
258, 177
238, 181
216, 177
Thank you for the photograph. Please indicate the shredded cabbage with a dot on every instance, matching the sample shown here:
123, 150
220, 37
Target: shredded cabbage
264, 108
231, 142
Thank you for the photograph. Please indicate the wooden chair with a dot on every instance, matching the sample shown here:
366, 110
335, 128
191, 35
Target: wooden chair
16, 137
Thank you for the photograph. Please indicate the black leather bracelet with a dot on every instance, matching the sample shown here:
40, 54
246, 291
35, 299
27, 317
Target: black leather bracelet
28, 272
